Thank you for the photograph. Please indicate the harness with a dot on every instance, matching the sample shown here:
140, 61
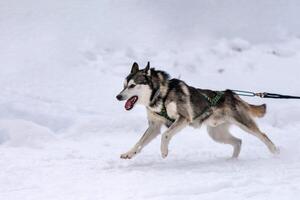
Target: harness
164, 113
211, 103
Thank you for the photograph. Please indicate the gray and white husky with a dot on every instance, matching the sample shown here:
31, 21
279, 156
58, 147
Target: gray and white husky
173, 103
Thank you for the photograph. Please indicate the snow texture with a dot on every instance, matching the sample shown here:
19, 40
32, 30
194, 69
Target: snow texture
62, 130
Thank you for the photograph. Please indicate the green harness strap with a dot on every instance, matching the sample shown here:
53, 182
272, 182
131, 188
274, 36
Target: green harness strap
164, 114
211, 101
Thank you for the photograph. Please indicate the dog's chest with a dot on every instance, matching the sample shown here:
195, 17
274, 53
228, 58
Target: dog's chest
172, 110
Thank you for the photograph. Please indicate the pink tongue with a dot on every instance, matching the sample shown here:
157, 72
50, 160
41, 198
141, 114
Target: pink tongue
128, 104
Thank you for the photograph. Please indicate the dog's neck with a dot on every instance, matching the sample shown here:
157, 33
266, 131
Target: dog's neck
158, 82
157, 97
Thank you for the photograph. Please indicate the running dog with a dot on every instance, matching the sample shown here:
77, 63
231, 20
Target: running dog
173, 103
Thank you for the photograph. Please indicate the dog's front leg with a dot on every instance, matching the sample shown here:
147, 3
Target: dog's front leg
149, 135
178, 125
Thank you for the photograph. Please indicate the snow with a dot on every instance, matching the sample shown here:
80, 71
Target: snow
62, 130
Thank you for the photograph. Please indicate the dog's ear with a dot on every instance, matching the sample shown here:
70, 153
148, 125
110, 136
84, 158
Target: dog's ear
147, 69
134, 68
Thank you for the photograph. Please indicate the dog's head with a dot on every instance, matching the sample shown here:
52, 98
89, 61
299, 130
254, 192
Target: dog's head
138, 87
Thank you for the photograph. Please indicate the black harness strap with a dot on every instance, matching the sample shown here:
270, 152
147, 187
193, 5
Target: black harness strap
275, 96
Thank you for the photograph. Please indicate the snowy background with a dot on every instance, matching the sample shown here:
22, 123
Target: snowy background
62, 130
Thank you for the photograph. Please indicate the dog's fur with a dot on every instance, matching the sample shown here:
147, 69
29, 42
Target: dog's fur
185, 105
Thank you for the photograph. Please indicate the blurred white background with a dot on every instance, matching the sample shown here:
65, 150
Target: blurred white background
63, 62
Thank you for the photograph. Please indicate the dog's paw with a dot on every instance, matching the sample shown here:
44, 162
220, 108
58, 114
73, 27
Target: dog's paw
164, 154
276, 151
128, 155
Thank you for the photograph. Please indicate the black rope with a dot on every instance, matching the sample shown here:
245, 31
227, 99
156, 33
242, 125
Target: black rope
264, 95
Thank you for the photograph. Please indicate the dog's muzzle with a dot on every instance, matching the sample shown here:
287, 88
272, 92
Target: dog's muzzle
119, 97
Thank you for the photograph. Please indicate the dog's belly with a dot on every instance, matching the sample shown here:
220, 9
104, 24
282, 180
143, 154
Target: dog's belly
214, 120
211, 121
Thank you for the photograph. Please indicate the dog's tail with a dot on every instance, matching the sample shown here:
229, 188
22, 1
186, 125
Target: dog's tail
253, 110
257, 110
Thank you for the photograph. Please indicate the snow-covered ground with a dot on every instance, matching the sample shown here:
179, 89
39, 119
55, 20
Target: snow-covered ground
62, 130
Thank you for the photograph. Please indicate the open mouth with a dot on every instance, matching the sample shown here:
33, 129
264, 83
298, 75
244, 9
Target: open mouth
130, 102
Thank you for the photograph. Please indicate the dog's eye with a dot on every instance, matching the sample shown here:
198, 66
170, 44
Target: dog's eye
131, 86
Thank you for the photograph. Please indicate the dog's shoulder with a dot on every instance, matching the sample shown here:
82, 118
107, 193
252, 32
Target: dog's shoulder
178, 86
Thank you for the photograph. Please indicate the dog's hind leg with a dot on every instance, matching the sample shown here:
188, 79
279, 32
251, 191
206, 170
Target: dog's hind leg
178, 125
221, 134
245, 122
148, 136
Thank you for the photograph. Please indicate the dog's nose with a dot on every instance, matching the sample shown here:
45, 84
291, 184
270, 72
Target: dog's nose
119, 97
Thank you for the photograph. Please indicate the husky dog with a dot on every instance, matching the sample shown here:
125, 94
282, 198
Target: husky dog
173, 103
